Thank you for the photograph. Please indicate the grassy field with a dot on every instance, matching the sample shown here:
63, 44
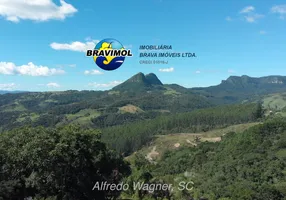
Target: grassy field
32, 116
15, 107
114, 93
171, 91
83, 117
130, 109
162, 143
275, 101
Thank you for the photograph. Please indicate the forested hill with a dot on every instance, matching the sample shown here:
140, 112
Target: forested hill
140, 83
140, 97
244, 165
239, 88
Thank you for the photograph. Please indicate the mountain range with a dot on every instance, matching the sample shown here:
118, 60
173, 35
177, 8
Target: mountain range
239, 88
138, 98
233, 89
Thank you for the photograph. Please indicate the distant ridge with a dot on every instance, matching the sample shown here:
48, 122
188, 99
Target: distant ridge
231, 90
261, 81
11, 92
236, 88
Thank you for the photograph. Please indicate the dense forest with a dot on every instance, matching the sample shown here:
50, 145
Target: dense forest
62, 163
130, 137
53, 109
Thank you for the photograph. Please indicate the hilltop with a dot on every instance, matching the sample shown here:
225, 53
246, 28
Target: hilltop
140, 83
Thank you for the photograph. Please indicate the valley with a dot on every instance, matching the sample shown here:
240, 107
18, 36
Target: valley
229, 139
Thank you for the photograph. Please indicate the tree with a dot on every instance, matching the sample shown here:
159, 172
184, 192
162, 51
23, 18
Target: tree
63, 163
259, 112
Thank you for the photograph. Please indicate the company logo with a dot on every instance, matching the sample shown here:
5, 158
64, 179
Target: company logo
109, 54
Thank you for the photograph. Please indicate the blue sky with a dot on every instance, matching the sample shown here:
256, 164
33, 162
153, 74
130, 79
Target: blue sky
43, 42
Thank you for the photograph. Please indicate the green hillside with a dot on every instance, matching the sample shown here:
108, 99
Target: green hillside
146, 92
275, 102
161, 144
246, 165
227, 140
50, 109
129, 138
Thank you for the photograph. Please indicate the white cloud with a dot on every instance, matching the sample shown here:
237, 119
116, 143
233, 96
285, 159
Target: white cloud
75, 46
228, 19
53, 85
198, 72
8, 86
105, 85
262, 32
279, 9
251, 18
92, 72
250, 15
35, 10
171, 69
247, 9
79, 46
9, 68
